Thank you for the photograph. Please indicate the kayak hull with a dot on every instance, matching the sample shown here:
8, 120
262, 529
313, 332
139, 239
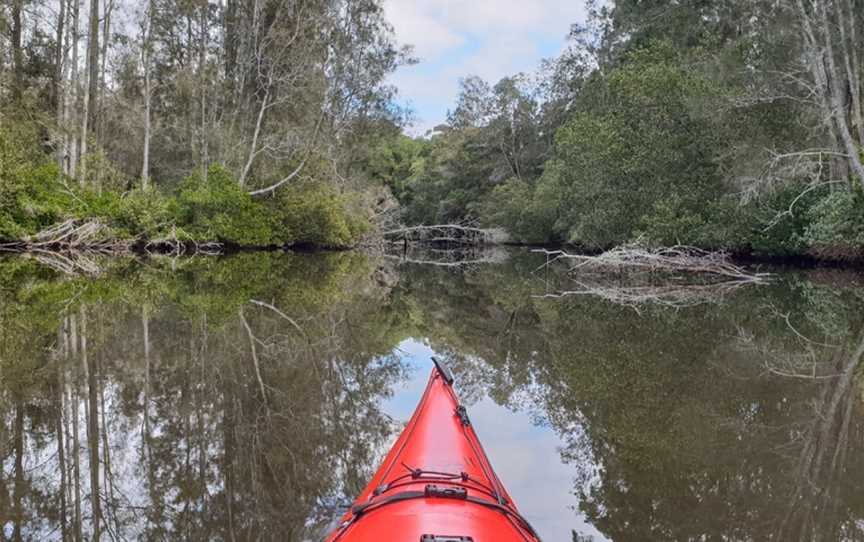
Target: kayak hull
436, 483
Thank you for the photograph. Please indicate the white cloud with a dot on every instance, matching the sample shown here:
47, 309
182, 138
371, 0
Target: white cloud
489, 38
429, 34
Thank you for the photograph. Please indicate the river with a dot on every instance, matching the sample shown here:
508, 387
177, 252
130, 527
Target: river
250, 397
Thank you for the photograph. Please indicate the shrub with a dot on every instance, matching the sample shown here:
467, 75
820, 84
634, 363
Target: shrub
220, 210
671, 222
312, 212
31, 197
836, 229
780, 219
146, 213
516, 207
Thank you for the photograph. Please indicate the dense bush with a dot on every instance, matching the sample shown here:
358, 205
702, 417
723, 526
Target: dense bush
218, 209
524, 211
836, 226
30, 195
314, 213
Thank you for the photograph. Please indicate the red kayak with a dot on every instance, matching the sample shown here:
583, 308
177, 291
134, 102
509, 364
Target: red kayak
436, 484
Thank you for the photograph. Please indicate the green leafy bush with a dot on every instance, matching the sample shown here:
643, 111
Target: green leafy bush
31, 196
514, 206
672, 222
836, 228
218, 209
780, 220
146, 214
312, 212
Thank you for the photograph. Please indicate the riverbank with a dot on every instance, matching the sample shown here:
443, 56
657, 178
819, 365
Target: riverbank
449, 254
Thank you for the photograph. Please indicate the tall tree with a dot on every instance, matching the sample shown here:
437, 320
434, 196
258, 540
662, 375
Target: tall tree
17, 51
147, 91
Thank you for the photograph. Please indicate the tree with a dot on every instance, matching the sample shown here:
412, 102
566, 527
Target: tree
147, 90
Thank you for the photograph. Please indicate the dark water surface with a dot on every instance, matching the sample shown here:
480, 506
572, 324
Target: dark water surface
250, 397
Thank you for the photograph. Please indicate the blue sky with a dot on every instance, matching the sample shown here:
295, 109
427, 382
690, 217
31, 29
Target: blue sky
489, 38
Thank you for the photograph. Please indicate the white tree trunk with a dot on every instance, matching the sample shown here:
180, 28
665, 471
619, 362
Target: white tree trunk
837, 101
148, 94
72, 108
253, 147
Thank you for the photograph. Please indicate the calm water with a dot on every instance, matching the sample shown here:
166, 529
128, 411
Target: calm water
251, 397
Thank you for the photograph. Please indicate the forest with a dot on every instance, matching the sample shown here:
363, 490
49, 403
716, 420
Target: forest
734, 125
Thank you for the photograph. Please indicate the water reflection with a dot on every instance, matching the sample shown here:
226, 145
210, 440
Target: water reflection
250, 397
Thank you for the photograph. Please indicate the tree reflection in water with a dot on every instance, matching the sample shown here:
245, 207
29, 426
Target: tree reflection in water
163, 405
239, 398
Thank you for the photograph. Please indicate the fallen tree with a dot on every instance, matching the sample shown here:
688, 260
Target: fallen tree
73, 234
635, 276
94, 237
444, 234
638, 258
676, 296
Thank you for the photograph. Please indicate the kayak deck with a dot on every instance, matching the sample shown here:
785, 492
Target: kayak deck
436, 483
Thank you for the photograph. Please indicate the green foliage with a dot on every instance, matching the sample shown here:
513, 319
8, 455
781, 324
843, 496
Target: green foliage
638, 156
31, 196
780, 219
395, 162
146, 213
521, 210
219, 209
315, 213
836, 229
672, 222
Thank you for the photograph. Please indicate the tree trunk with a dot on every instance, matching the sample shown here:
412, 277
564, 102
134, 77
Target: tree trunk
822, 64
148, 93
60, 85
99, 112
837, 101
61, 455
73, 96
76, 440
202, 82
856, 71
17, 53
253, 147
88, 113
92, 431
59, 58
229, 46
93, 65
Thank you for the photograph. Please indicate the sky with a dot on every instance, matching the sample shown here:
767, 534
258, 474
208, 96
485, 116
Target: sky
456, 38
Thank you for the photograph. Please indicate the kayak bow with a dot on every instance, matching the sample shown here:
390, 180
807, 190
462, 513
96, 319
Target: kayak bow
436, 483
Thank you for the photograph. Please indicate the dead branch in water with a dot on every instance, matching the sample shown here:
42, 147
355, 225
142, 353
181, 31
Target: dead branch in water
72, 263
635, 276
677, 259
444, 234
74, 234
677, 296
84, 237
